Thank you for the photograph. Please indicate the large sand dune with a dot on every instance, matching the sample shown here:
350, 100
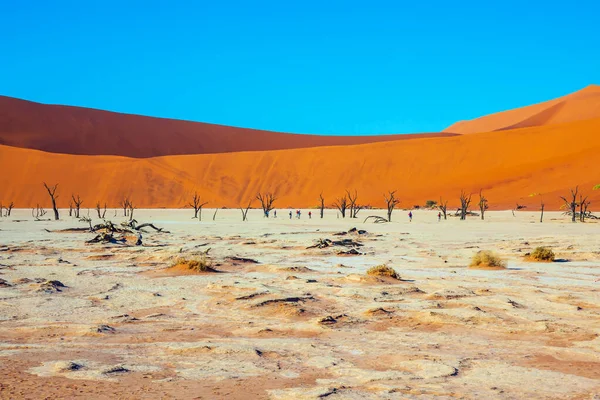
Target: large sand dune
578, 106
76, 130
508, 165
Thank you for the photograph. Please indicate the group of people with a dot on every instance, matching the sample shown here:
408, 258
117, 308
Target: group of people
299, 214
410, 216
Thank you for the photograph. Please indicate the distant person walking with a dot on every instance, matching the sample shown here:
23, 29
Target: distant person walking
310, 215
439, 216
410, 216
290, 214
274, 213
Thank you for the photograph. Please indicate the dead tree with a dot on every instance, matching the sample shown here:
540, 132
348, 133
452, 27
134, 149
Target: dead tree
572, 204
8, 209
197, 205
517, 208
443, 206
245, 211
583, 205
465, 201
391, 202
215, 214
125, 203
542, 205
37, 212
266, 202
322, 204
341, 204
587, 213
101, 213
483, 204
354, 206
70, 208
53, 197
131, 208
77, 202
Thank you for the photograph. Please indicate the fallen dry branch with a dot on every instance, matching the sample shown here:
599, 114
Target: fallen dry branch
106, 238
241, 260
325, 243
376, 219
283, 300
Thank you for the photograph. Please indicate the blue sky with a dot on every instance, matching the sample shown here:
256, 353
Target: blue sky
327, 67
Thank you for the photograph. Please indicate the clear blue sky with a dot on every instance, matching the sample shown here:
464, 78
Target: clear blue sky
329, 67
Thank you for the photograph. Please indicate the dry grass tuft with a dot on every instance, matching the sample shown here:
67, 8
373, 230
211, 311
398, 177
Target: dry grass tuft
383, 270
202, 264
486, 259
542, 254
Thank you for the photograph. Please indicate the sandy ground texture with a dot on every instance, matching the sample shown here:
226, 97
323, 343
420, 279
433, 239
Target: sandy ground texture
283, 321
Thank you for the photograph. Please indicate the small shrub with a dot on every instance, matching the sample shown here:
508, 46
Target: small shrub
542, 254
430, 203
487, 259
201, 264
383, 270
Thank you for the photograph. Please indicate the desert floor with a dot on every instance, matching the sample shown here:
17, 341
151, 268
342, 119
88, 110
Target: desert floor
300, 323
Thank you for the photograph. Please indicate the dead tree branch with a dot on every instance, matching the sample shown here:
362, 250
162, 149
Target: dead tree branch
321, 204
53, 197
465, 201
571, 204
391, 202
245, 211
483, 204
341, 204
443, 206
266, 202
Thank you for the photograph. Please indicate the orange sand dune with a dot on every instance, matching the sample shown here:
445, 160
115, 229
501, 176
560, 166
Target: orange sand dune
509, 165
76, 130
578, 106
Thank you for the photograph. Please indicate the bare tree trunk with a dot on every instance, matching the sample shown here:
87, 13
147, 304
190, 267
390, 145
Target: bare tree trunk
582, 207
245, 211
354, 207
266, 202
322, 206
53, 197
197, 205
391, 202
215, 214
483, 204
571, 204
465, 201
77, 201
443, 207
341, 204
